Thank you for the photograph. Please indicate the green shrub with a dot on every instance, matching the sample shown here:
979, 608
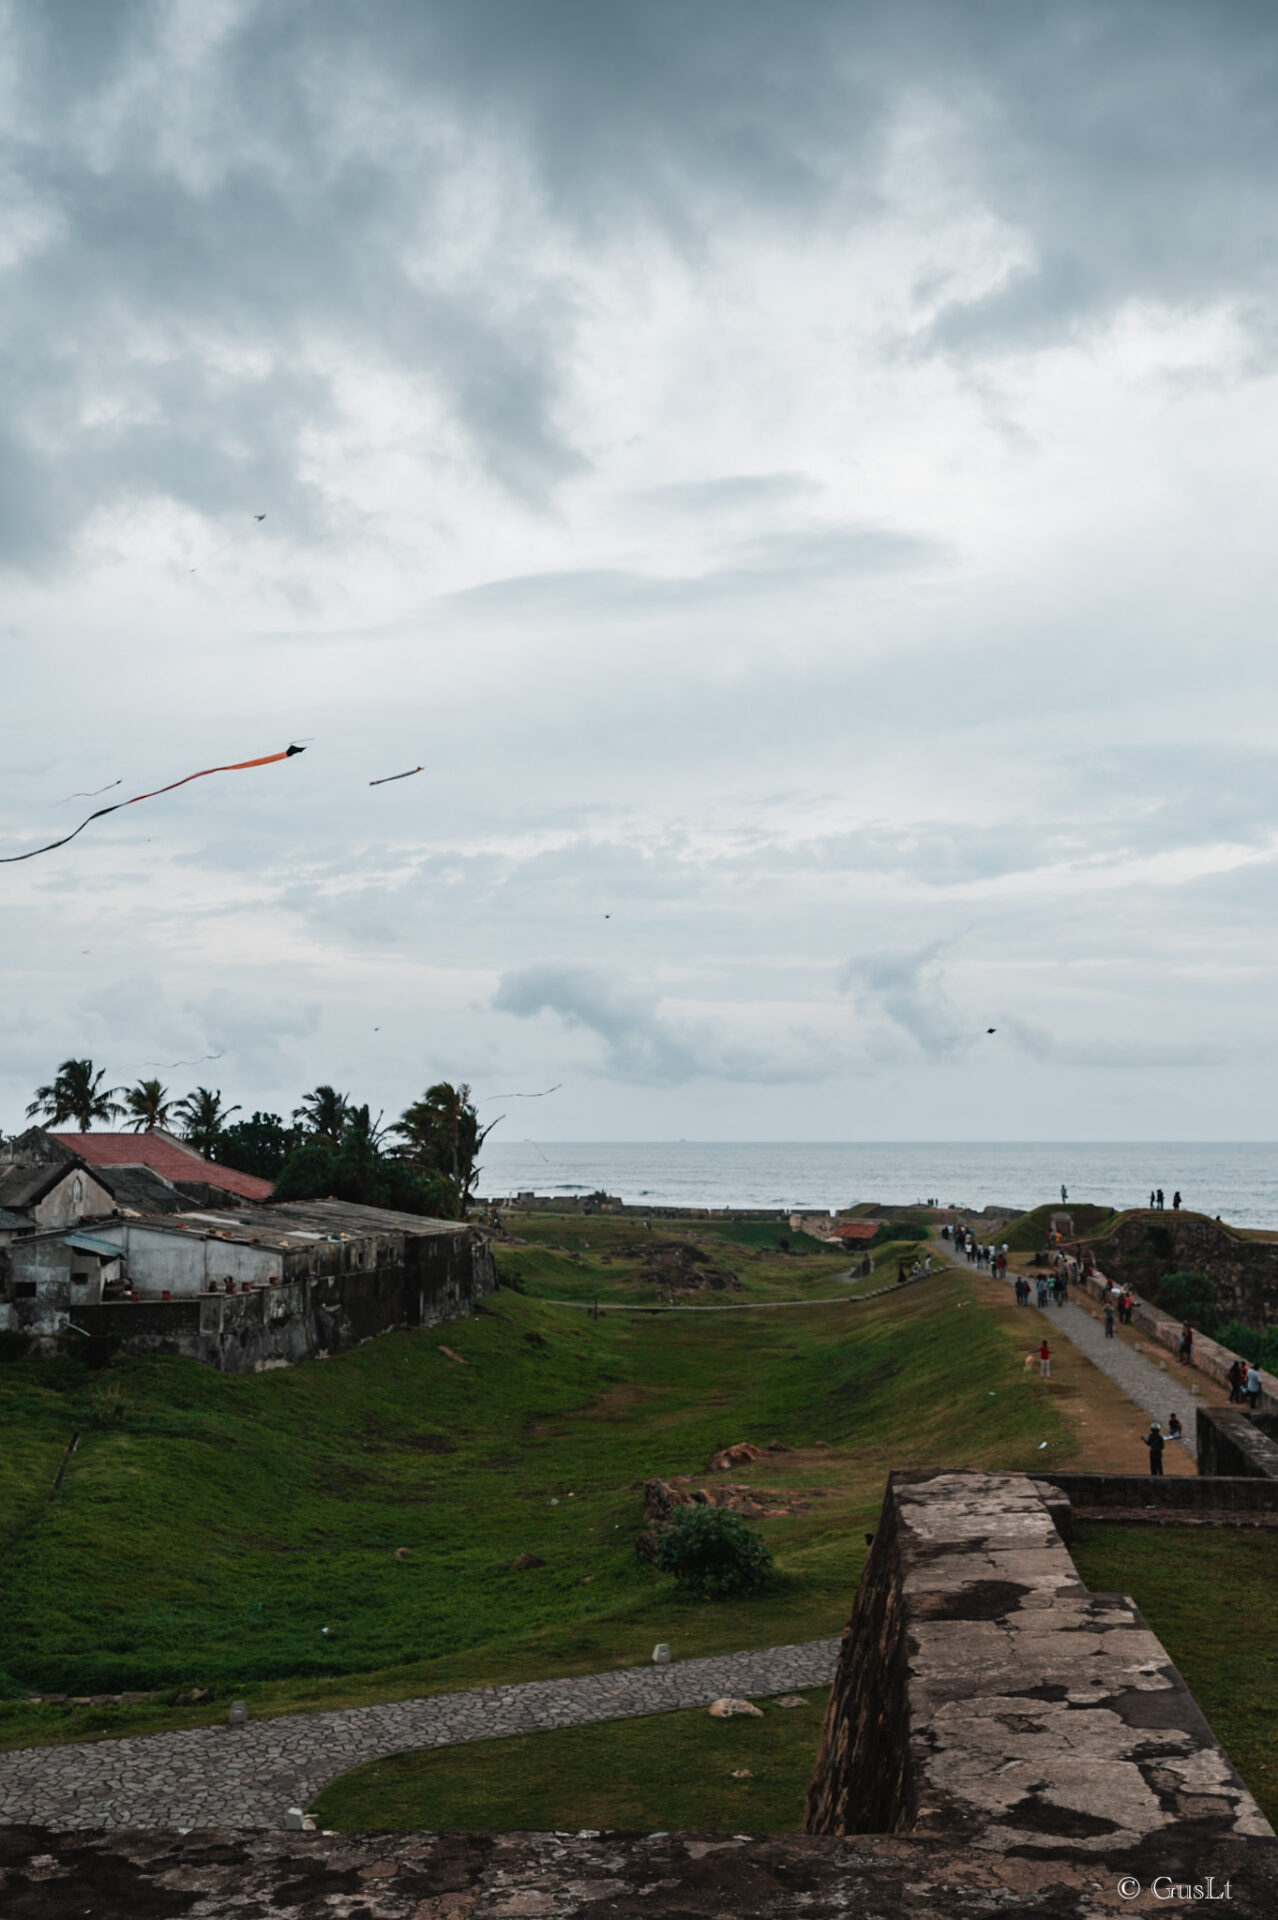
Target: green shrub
1189, 1296
1251, 1343
909, 1230
713, 1554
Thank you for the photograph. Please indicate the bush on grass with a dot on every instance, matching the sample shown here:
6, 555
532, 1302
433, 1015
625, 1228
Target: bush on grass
1189, 1296
1251, 1343
713, 1554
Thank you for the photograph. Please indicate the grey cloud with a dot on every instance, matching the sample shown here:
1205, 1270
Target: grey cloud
212, 217
731, 493
1116, 1056
908, 991
773, 562
642, 1043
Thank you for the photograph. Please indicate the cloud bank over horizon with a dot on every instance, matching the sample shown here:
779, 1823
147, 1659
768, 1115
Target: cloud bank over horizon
799, 483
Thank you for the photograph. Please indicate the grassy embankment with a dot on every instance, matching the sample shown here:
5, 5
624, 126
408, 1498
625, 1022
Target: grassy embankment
208, 1528
673, 1772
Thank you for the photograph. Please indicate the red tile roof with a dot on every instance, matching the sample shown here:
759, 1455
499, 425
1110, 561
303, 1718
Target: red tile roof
164, 1155
856, 1229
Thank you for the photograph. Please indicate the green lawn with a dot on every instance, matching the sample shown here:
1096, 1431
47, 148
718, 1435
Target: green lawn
209, 1527
1212, 1599
672, 1772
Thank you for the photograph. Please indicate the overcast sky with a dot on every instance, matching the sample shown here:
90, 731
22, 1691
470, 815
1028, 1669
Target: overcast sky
800, 480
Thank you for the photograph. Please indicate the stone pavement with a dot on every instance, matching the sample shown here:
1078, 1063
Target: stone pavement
250, 1776
1158, 1388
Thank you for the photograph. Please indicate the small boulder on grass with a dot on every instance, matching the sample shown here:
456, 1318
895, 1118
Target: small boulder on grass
525, 1562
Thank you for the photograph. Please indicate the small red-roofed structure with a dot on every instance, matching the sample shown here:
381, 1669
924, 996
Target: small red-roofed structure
856, 1232
165, 1155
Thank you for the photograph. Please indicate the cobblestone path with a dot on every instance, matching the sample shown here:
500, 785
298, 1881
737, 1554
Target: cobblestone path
249, 1776
1157, 1388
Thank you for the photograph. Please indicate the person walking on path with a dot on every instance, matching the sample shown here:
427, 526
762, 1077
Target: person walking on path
1109, 1321
1186, 1344
1045, 1360
1125, 1309
1236, 1375
1155, 1442
1252, 1387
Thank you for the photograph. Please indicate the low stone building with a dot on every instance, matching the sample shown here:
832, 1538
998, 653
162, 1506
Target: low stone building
247, 1289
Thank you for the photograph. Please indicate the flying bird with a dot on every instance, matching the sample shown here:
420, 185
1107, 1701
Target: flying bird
388, 777
236, 766
991, 1029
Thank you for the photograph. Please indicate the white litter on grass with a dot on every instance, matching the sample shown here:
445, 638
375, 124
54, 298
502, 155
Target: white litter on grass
1041, 1445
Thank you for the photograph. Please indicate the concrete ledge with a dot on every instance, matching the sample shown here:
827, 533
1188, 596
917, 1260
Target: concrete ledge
984, 1694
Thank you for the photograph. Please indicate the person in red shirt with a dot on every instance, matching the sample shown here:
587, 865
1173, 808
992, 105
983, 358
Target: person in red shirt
1045, 1361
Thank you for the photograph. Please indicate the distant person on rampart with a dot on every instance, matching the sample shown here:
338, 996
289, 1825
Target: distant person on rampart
1160, 1200
1155, 1442
1152, 1203
1125, 1309
1186, 1343
1174, 1429
1109, 1321
1045, 1360
1175, 1203
1236, 1375
1064, 1193
1251, 1386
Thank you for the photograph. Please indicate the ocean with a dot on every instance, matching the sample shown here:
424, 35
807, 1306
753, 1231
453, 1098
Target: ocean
1239, 1182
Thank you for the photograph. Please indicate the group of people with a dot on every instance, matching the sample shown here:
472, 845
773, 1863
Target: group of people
1054, 1291
978, 1253
1244, 1383
1157, 1203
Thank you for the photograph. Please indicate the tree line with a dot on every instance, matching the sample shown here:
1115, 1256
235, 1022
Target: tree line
424, 1162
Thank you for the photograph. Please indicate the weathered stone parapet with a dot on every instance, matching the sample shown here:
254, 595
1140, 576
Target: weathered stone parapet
213, 1874
984, 1694
1181, 1494
1231, 1440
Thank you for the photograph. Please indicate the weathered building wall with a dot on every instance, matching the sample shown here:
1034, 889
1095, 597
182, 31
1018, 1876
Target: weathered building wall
439, 1277
77, 1196
984, 1694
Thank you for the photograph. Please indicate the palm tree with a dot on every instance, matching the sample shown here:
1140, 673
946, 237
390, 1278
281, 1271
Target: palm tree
148, 1106
325, 1113
203, 1117
442, 1130
76, 1094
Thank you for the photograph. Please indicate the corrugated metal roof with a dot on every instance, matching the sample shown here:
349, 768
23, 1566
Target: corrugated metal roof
89, 1243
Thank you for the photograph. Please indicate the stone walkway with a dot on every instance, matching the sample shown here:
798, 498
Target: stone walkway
1157, 1388
250, 1776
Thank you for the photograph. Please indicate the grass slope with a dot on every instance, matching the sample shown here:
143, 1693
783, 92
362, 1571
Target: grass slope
673, 1772
209, 1527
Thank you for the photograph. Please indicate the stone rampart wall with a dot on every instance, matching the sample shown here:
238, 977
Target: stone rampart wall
984, 1693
